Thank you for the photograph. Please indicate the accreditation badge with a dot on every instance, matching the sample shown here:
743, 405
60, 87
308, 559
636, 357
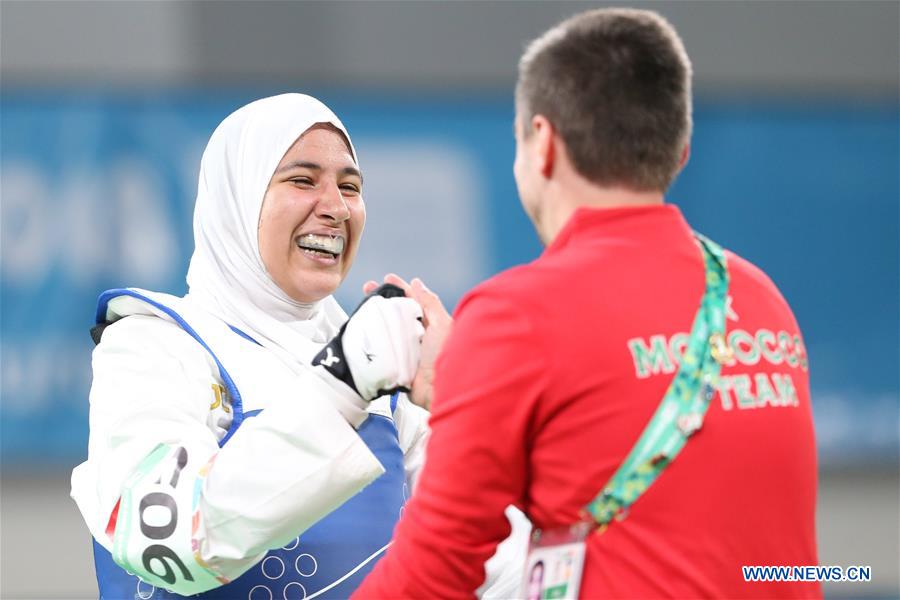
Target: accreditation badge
555, 562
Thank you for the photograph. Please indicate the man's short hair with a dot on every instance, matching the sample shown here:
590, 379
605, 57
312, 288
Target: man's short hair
616, 85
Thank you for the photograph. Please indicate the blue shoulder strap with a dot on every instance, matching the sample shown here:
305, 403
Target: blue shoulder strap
236, 403
243, 335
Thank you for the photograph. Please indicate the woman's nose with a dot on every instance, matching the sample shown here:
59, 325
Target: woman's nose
331, 204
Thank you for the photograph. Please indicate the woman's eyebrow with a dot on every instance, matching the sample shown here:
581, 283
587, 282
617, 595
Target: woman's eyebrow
302, 164
352, 171
299, 164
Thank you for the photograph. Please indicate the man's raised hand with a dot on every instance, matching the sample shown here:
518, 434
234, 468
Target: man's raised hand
438, 324
376, 351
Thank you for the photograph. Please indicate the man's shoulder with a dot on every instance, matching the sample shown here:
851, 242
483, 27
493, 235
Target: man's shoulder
750, 284
515, 286
752, 275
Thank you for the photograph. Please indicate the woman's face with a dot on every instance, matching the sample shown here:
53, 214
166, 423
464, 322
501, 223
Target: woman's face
312, 216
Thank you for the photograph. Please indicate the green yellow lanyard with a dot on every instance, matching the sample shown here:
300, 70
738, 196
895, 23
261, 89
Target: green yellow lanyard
684, 405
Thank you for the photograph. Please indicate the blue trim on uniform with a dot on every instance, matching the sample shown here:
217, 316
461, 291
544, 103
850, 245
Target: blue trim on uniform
243, 335
342, 544
236, 404
252, 413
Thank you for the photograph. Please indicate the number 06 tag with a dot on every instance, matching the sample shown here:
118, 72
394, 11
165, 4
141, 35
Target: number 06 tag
555, 562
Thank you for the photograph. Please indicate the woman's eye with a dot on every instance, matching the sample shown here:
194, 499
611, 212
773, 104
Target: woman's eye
350, 188
302, 181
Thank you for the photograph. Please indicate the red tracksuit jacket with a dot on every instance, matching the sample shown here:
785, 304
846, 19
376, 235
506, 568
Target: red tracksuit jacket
547, 380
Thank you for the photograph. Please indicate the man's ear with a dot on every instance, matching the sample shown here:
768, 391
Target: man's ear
544, 147
685, 156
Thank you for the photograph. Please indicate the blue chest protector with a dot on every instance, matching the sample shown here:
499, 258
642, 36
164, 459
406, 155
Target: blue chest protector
330, 559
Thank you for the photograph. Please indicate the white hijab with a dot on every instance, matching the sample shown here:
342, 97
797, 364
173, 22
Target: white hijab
227, 277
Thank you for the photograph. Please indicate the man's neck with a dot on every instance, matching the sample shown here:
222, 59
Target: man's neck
561, 202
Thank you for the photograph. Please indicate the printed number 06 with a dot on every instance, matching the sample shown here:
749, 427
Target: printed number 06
161, 553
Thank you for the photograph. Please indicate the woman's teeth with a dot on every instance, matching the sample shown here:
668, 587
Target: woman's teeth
309, 252
321, 245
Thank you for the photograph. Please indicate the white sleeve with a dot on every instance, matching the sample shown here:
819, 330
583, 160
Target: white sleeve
505, 568
413, 433
280, 473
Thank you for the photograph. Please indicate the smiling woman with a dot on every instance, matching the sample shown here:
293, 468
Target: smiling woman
228, 423
313, 215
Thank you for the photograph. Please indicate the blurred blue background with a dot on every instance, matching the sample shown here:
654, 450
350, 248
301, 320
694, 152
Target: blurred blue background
98, 190
105, 109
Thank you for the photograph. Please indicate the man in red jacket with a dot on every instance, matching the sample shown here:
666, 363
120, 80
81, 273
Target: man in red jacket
553, 369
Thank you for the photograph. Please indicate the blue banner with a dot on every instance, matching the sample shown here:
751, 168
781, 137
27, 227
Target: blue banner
98, 189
